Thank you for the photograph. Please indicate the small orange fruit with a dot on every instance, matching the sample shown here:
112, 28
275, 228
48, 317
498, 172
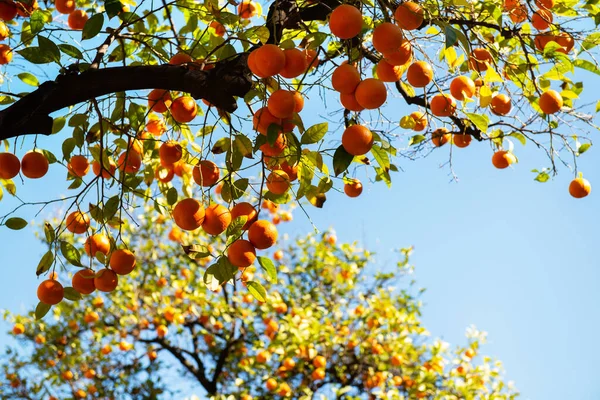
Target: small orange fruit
502, 159
442, 105
353, 189
419, 74
34, 165
247, 9
50, 292
420, 120
241, 253
216, 219
580, 187
206, 173
357, 140
184, 109
170, 152
83, 281
500, 104
79, 166
541, 19
440, 137
106, 280
159, 100
461, 140
551, 102
77, 222
268, 60
371, 93
97, 243
278, 182
246, 209
462, 87
409, 15
262, 234
387, 72
218, 27
281, 104
122, 261
18, 329
189, 214
6, 53
345, 78
345, 21
295, 64
9, 165
479, 59
387, 37
349, 102
77, 20
65, 6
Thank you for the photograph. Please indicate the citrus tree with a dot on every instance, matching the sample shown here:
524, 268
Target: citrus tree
335, 325
119, 84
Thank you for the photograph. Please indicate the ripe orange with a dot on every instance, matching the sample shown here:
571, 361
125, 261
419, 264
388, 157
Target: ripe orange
502, 159
156, 126
79, 166
159, 100
371, 93
566, 41
83, 281
396, 360
349, 102
276, 148
320, 362
241, 253
206, 173
500, 104
281, 103
461, 141
387, 37
184, 109
50, 292
345, 21
217, 218
387, 72
312, 58
462, 87
9, 165
251, 62
122, 261
401, 56
278, 256
106, 280
420, 120
181, 58
409, 15
479, 59
6, 54
551, 102
298, 101
247, 9
291, 170
162, 331
65, 6
8, 10
67, 375
318, 374
34, 165
18, 329
77, 222
262, 234
130, 162
580, 187
164, 174
295, 64
345, 78
189, 214
545, 4
107, 171
419, 74
353, 189
4, 31
278, 182
26, 9
246, 209
97, 243
440, 137
442, 105
518, 13
77, 20
170, 152
357, 140
218, 27
541, 20
269, 60
271, 384
262, 119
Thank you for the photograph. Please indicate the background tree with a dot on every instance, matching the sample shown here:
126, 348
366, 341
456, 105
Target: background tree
333, 325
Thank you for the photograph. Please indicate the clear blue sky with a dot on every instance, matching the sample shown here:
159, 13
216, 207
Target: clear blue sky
497, 249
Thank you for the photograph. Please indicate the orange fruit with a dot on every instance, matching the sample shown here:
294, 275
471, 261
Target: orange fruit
8, 10
312, 58
50, 292
4, 31
349, 102
189, 214
271, 384
278, 182
357, 140
6, 54
251, 61
241, 253
122, 261
156, 126
479, 59
396, 360
218, 27
206, 173
106, 172
298, 101
420, 121
181, 58
566, 41
462, 87
500, 104
541, 40
320, 362
162, 331
262, 234
419, 74
580, 187
541, 19
442, 105
387, 37
387, 72
77, 20
216, 219
18, 329
79, 166
440, 137
295, 64
97, 243
34, 165
545, 4
262, 119
164, 174
26, 9
291, 170
281, 103
371, 93
502, 159
159, 100
106, 280
130, 162
278, 255
77, 222
318, 374
461, 141
518, 14
170, 152
247, 9
9, 165
269, 60
65, 6
67, 375
345, 21
246, 209
551, 102
345, 79
276, 148
83, 281
409, 15
401, 56
184, 109
353, 189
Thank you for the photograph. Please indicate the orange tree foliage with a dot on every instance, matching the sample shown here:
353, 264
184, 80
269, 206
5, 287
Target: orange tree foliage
335, 325
474, 72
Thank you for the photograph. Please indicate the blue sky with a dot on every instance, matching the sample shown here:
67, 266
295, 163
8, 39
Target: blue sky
513, 256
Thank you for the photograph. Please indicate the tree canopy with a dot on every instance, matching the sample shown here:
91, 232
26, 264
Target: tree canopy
335, 324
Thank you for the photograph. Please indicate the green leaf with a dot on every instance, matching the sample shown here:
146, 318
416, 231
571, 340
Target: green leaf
15, 223
37, 21
341, 160
41, 310
72, 294
451, 36
49, 156
315, 133
315, 39
49, 47
269, 268
113, 8
45, 263
235, 228
172, 196
223, 271
480, 121
257, 290
416, 139
235, 191
71, 51
587, 65
260, 33
196, 251
381, 156
29, 79
35, 55
520, 137
49, 232
93, 26
111, 207
58, 123
583, 148
244, 145
70, 253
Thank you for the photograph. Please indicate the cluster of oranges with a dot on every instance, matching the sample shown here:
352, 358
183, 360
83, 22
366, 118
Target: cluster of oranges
33, 165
